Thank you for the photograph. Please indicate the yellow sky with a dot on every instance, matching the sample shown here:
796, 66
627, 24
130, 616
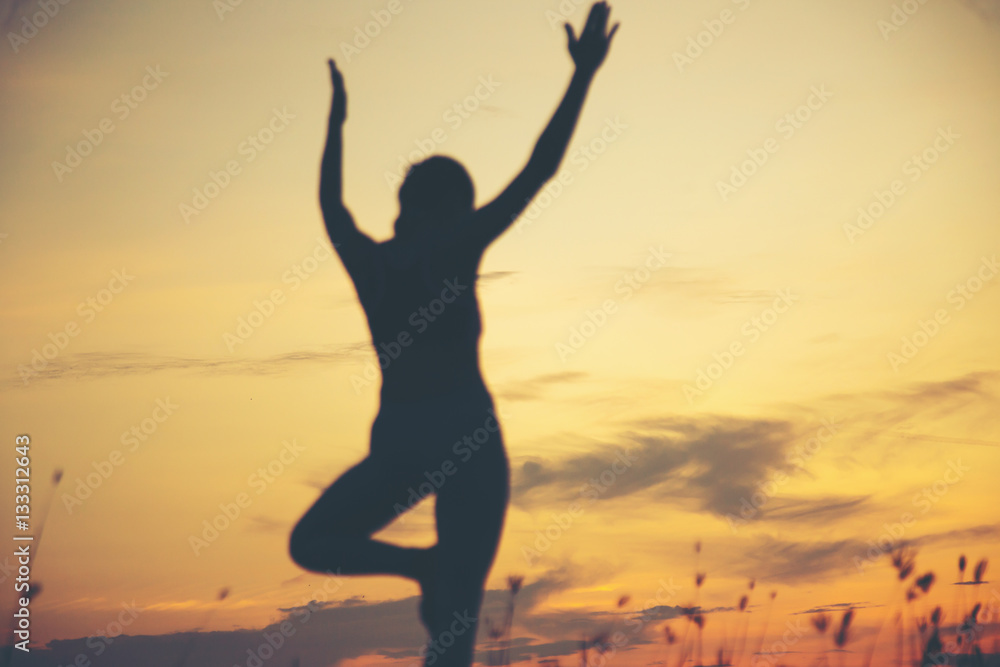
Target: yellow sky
639, 303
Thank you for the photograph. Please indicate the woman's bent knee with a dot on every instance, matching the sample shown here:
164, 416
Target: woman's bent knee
304, 547
298, 547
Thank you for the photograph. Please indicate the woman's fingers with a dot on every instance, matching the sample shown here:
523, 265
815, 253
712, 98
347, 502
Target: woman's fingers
571, 35
336, 76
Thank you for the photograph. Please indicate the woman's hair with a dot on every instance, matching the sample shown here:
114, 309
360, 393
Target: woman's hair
438, 185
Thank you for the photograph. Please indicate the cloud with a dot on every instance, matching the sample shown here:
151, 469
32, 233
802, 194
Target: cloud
104, 364
771, 559
886, 410
717, 464
490, 276
826, 509
713, 462
836, 608
988, 10
534, 388
792, 562
321, 632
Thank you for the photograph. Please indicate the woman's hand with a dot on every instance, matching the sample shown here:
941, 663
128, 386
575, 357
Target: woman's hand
590, 49
338, 111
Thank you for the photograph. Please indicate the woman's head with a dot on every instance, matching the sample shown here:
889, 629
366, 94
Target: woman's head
436, 190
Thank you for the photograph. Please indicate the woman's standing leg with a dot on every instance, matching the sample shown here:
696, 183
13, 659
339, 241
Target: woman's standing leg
470, 510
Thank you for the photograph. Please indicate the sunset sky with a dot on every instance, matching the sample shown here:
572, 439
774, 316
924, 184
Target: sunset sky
767, 276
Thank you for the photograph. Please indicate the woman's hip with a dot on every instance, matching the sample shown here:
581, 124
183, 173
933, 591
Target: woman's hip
455, 427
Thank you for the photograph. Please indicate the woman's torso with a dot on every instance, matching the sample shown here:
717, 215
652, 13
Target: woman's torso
424, 319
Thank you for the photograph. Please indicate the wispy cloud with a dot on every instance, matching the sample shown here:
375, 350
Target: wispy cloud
103, 364
794, 562
534, 388
989, 10
713, 461
322, 633
827, 509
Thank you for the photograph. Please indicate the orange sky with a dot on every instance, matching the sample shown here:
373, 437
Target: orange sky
768, 270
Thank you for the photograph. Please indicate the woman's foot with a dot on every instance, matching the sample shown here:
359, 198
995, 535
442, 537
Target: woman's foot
426, 577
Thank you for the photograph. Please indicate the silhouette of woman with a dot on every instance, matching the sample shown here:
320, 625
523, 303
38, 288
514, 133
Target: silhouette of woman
436, 430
